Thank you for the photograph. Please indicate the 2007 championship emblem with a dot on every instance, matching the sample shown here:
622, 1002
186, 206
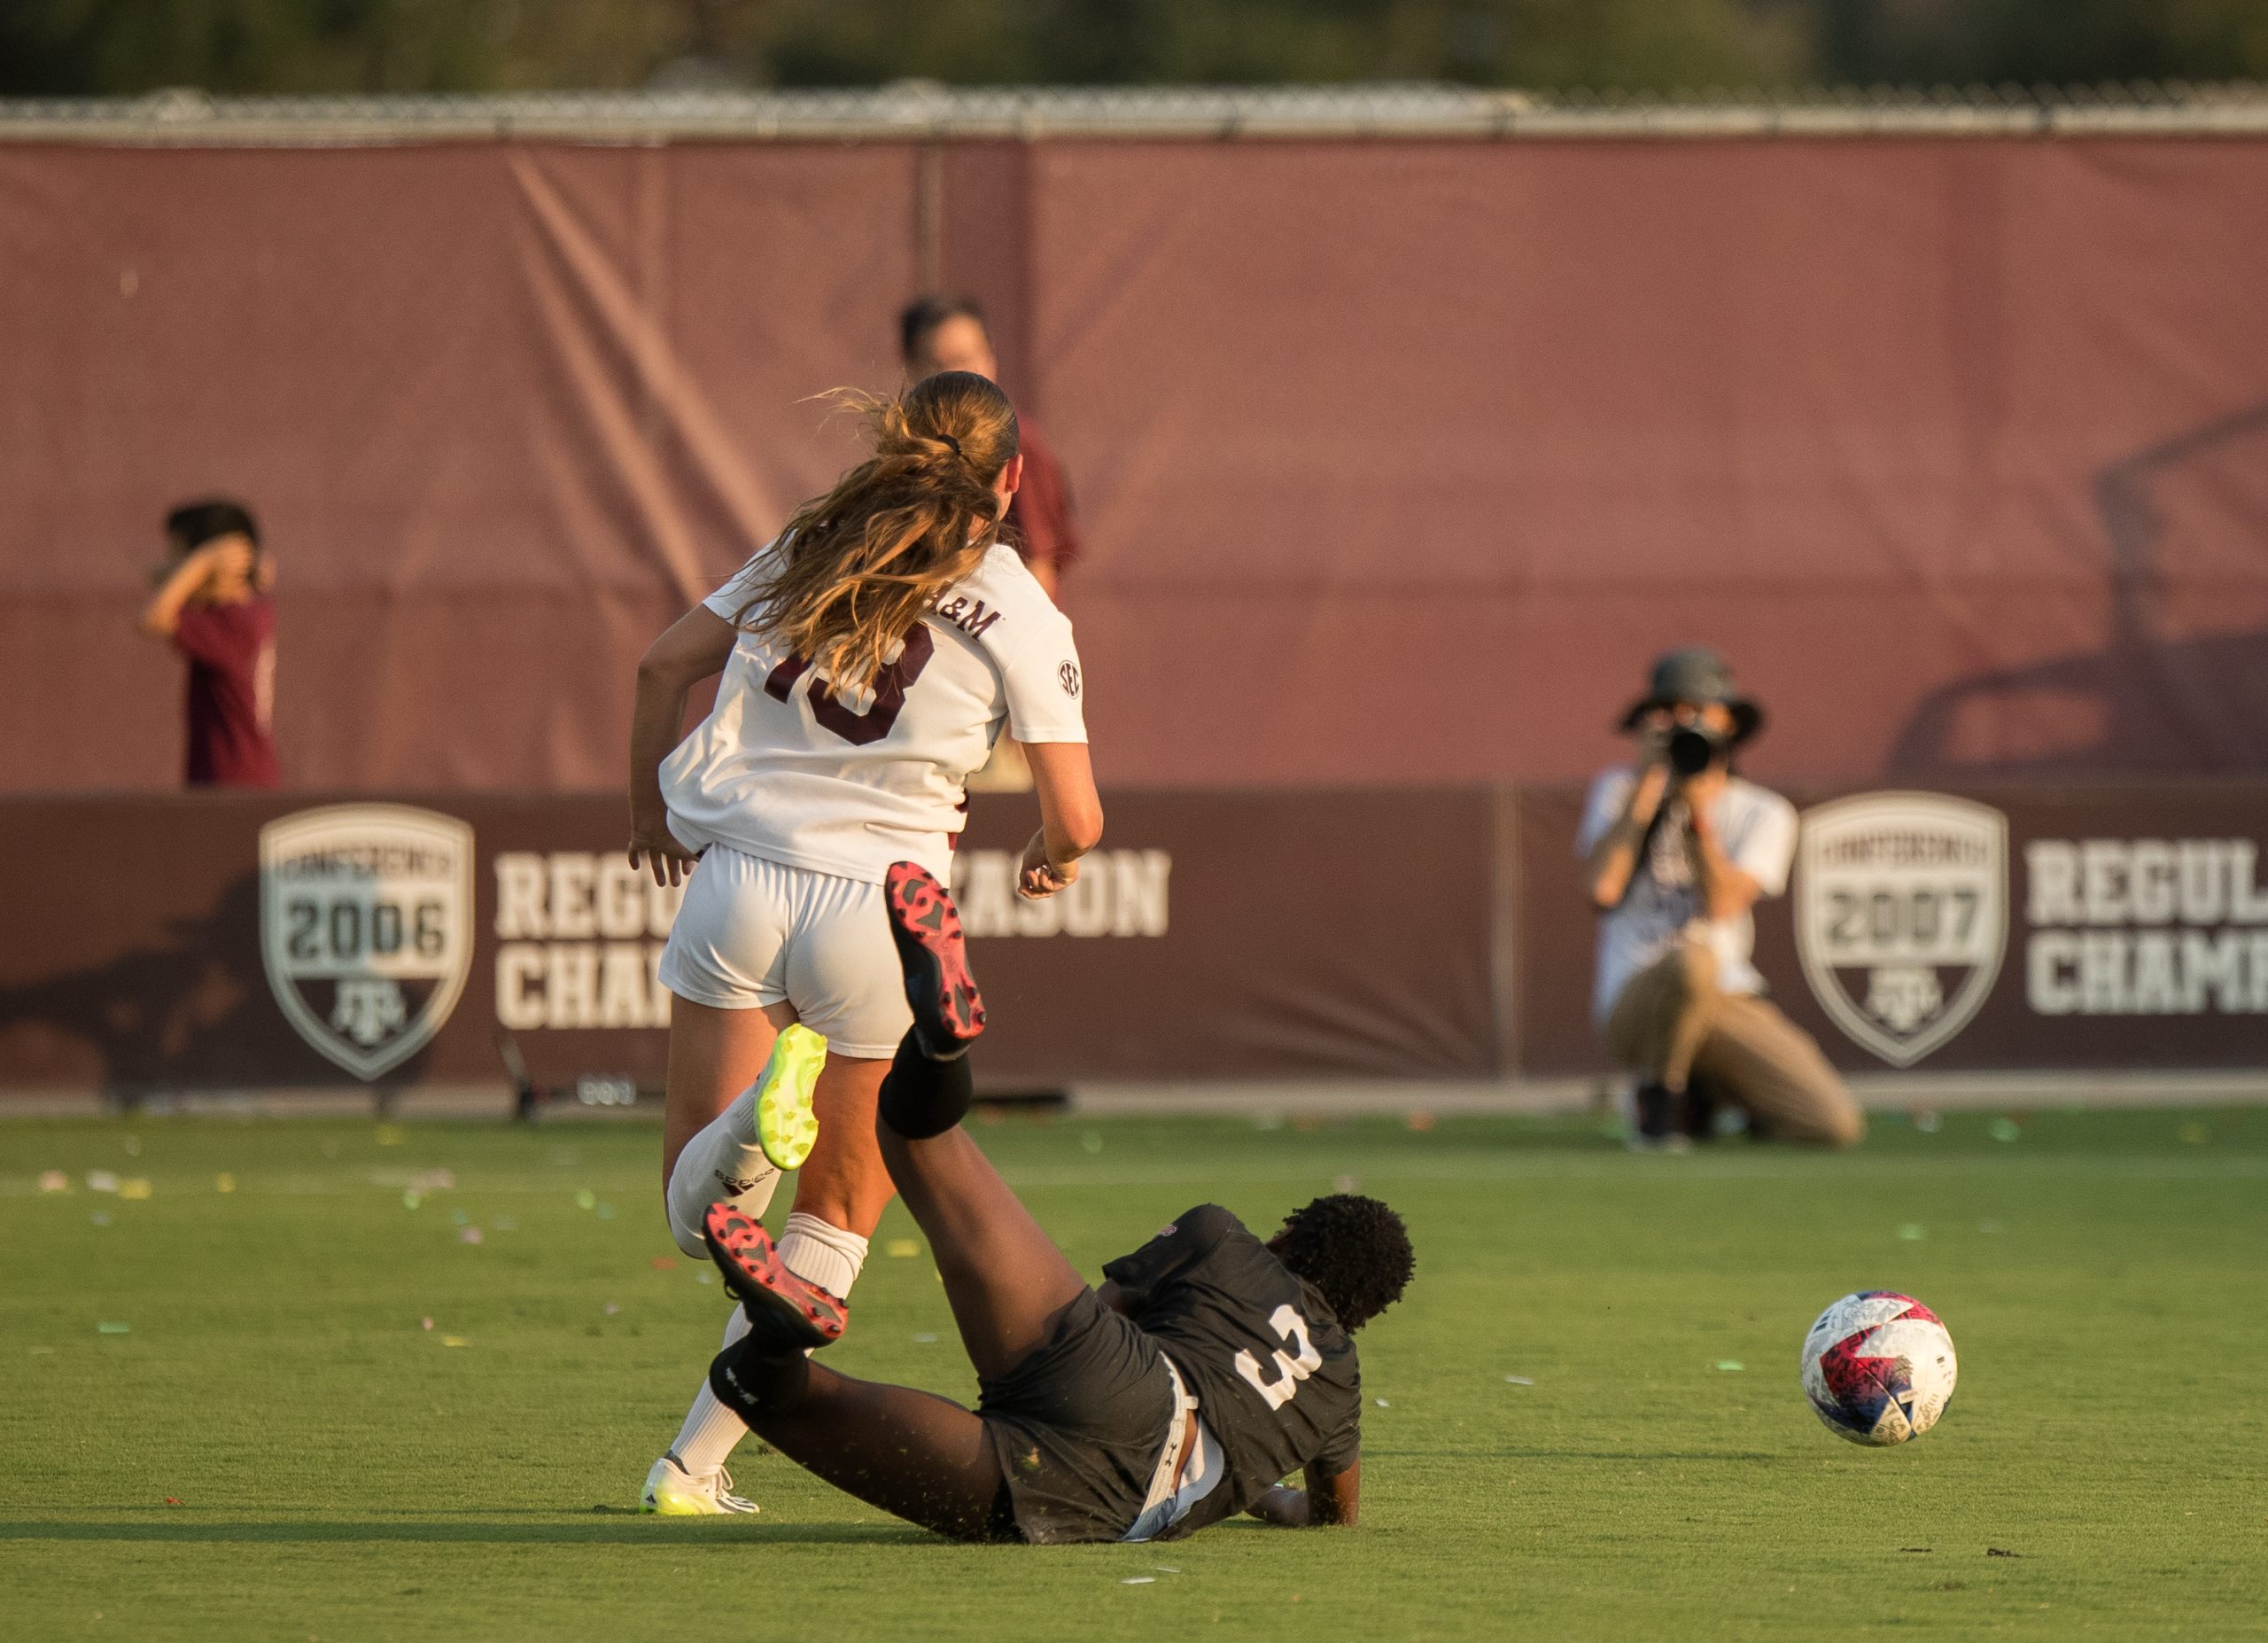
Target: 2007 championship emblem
366, 927
1901, 910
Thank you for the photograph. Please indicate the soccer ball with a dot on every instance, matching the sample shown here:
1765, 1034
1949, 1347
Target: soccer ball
1878, 1368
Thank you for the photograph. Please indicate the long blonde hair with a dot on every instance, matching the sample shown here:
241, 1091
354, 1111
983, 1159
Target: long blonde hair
863, 564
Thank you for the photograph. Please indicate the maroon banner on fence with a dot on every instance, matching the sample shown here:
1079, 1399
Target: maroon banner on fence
218, 941
1985, 929
228, 941
1396, 461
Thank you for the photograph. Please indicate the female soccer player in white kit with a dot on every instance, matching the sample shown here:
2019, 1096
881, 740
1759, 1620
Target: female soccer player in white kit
871, 656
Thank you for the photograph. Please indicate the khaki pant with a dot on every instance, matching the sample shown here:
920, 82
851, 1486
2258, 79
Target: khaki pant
1672, 1022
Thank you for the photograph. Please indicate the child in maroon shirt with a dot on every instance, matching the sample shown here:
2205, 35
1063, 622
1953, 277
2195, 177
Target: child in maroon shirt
214, 606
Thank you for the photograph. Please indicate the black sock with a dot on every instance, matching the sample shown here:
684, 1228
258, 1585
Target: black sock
752, 1378
921, 1097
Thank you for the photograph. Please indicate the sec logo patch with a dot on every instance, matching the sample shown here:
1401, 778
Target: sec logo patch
1069, 674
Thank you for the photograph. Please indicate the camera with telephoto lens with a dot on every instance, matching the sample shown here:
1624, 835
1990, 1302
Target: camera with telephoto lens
1692, 750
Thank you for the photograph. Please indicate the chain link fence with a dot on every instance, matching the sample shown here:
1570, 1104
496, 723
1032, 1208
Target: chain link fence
926, 113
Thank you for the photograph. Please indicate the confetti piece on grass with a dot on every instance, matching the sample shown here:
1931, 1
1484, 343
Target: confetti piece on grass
390, 1135
470, 1234
1913, 1232
1345, 1183
1517, 1380
412, 1198
1382, 1403
113, 1328
1420, 1121
1927, 1121
425, 1323
1140, 1580
902, 1249
455, 1340
99, 1218
101, 1181
663, 1264
1090, 1142
585, 1199
133, 1188
2195, 1134
606, 1211
611, 1308
1730, 1366
924, 1339
224, 1182
54, 1180
172, 1499
2003, 1130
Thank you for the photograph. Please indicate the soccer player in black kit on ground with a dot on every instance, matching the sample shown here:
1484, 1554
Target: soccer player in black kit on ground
1209, 1366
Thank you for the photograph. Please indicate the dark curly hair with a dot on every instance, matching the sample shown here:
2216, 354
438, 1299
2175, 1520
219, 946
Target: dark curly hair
1353, 1248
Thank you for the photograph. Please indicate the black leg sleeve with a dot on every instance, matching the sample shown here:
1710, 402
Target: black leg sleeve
921, 1097
753, 1380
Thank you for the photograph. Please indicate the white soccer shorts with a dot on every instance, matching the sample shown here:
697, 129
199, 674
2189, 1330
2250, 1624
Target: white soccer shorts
754, 933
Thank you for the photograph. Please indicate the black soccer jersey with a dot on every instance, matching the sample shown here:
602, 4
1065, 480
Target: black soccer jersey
1275, 1376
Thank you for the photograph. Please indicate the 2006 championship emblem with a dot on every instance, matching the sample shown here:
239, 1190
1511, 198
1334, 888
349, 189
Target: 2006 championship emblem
1901, 908
366, 927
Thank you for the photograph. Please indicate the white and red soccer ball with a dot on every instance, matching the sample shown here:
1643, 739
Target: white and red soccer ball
1878, 1368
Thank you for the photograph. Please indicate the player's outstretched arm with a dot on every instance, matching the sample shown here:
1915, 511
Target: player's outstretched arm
1070, 817
1328, 1499
697, 644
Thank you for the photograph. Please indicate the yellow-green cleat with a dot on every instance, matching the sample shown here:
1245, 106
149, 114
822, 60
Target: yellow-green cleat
786, 1127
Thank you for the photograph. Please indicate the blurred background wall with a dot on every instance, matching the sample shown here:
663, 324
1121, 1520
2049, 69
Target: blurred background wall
1397, 459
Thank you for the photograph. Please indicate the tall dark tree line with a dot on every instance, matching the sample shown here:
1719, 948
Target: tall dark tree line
65, 48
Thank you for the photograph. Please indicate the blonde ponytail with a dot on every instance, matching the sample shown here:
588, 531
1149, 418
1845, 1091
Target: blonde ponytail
863, 564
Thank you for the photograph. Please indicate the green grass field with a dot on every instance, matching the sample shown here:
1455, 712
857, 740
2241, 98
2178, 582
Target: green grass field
277, 1446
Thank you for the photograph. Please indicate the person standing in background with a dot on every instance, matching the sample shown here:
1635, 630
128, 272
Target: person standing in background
213, 604
948, 334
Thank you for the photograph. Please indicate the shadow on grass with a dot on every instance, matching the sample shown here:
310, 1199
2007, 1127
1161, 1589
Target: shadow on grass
1747, 1457
626, 1529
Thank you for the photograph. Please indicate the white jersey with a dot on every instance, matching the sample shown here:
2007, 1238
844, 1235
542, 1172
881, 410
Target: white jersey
1757, 828
785, 769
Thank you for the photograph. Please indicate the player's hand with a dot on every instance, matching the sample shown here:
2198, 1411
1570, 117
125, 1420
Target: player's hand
653, 847
1283, 1506
1040, 877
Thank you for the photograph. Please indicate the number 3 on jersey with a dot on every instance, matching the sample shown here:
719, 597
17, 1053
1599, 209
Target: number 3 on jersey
891, 686
1287, 1322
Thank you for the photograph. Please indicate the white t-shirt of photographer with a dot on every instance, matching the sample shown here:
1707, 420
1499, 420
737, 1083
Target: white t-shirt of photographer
1758, 831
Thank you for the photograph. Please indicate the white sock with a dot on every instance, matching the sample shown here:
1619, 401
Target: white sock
711, 1430
820, 1253
722, 1165
817, 1252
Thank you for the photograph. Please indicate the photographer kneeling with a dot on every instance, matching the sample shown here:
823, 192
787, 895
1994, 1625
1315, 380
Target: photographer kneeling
1678, 849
